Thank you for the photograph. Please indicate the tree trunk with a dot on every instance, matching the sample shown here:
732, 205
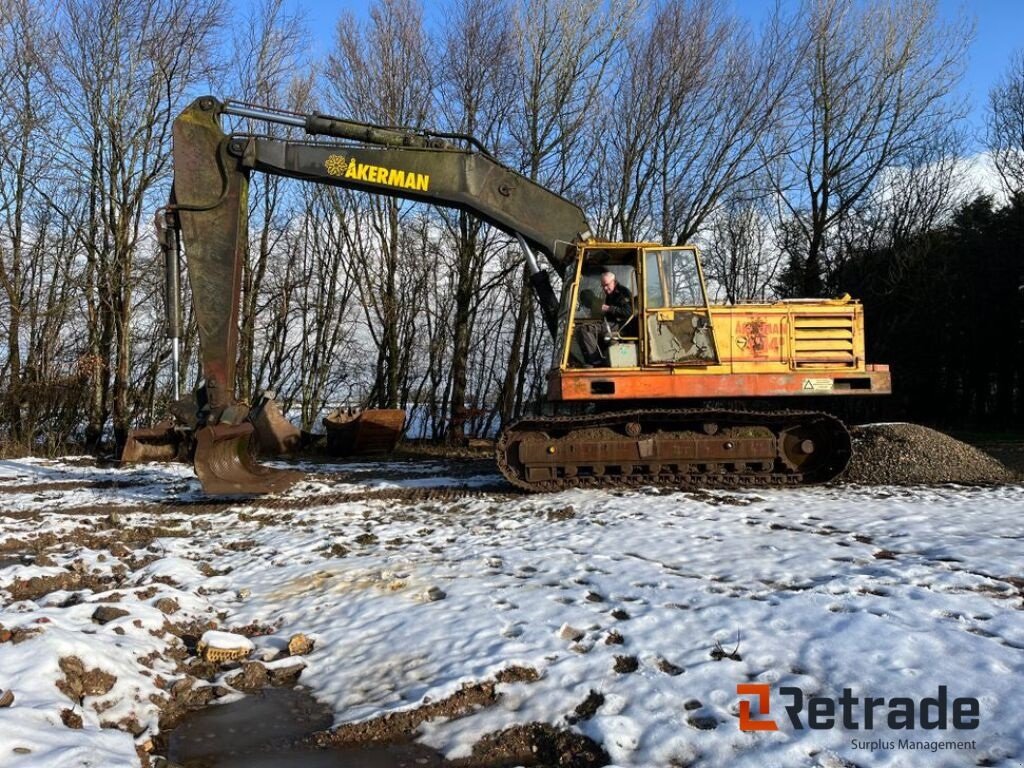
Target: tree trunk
464, 294
509, 389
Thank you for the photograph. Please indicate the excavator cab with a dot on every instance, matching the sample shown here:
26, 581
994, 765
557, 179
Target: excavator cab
671, 321
594, 340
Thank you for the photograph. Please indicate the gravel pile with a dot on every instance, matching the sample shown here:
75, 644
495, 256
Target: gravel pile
905, 454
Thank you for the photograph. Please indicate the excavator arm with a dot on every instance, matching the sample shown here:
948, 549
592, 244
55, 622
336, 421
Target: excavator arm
208, 214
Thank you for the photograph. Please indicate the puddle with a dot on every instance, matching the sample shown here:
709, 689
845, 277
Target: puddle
404, 755
259, 730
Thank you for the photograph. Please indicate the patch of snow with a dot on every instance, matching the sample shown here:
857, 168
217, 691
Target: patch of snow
887, 591
226, 640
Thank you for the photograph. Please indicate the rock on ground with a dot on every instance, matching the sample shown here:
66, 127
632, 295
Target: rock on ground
908, 454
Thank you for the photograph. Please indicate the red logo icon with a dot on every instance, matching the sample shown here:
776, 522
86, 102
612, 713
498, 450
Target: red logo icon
761, 690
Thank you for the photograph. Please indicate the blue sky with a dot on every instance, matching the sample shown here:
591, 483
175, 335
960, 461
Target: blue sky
999, 31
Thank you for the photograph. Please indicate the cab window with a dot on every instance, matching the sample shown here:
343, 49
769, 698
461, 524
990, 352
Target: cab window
672, 279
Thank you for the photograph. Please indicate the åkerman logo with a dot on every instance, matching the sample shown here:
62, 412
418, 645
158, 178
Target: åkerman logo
856, 713
336, 165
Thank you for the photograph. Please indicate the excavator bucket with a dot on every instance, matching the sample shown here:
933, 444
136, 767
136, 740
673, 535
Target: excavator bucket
275, 435
374, 431
224, 463
160, 443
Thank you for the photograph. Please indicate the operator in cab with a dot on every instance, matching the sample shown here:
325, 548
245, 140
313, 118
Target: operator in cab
616, 310
618, 303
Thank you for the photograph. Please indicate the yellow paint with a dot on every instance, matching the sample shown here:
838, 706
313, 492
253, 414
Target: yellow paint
825, 335
571, 326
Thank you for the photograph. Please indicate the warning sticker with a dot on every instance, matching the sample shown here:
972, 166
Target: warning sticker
818, 385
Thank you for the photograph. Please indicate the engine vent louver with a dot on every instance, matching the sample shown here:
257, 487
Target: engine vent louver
823, 341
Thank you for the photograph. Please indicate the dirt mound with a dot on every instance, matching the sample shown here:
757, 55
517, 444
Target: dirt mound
535, 744
908, 454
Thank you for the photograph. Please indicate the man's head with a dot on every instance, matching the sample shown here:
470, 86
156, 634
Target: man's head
607, 282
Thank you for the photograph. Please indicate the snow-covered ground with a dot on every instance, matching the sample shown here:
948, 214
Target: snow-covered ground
891, 592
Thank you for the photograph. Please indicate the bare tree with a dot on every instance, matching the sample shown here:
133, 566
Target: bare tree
268, 56
915, 194
741, 258
124, 67
685, 118
476, 92
26, 44
875, 80
320, 369
1006, 125
381, 74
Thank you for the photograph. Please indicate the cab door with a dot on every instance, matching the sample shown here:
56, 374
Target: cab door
677, 321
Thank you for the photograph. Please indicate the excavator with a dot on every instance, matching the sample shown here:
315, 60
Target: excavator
654, 404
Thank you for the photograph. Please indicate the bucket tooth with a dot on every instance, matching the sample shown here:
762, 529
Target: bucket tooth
160, 443
224, 465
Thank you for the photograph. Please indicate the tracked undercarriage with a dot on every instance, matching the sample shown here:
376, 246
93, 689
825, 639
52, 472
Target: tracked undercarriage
682, 448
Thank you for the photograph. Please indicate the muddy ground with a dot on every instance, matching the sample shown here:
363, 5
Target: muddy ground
196, 683
887, 454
